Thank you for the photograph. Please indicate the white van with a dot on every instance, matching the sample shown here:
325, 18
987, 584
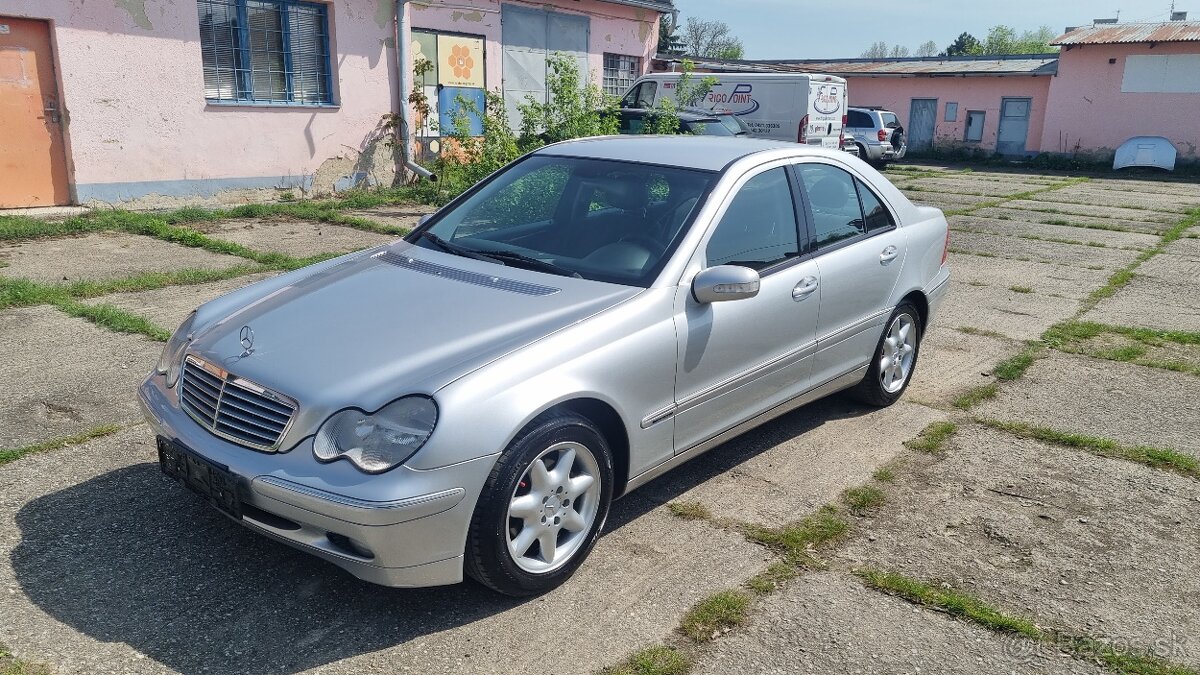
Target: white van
802, 108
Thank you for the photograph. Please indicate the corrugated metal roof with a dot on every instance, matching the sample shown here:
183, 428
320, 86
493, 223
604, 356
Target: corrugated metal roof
1169, 31
1038, 64
666, 6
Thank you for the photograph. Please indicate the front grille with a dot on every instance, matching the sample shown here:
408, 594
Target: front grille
234, 408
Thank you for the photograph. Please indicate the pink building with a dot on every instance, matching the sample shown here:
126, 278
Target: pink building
115, 101
1108, 83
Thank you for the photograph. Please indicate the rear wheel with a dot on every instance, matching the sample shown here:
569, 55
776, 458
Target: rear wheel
542, 507
894, 360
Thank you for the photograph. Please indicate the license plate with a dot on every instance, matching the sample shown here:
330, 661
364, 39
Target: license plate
209, 480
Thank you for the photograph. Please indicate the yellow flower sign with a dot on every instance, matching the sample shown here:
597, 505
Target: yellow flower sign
461, 61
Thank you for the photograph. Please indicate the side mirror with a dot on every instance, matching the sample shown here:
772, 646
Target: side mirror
424, 219
725, 282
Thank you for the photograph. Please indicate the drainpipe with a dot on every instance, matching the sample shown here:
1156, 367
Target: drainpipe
405, 84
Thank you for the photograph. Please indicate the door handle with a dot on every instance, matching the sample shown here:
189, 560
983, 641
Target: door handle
888, 255
805, 288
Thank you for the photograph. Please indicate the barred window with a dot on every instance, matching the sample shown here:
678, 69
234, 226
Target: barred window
620, 72
265, 51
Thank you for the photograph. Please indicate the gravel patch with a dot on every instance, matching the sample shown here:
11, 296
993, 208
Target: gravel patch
168, 307
830, 623
1081, 543
296, 238
1128, 403
405, 216
101, 256
111, 567
63, 376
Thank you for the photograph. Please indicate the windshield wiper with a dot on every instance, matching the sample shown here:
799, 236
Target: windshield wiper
455, 248
520, 259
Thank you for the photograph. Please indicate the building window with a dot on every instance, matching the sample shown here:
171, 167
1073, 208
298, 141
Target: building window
951, 112
265, 51
974, 126
620, 72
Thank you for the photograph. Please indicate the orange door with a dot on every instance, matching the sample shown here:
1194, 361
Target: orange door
33, 162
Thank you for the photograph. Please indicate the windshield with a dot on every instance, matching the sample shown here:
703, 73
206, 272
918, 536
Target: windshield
603, 220
710, 127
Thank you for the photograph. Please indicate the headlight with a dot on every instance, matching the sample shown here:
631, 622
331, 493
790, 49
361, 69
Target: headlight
376, 442
171, 361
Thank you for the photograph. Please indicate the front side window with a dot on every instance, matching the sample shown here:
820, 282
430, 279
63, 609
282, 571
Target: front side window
602, 220
833, 199
619, 72
759, 228
642, 96
265, 51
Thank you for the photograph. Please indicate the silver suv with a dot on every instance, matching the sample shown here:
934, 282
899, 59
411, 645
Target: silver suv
878, 133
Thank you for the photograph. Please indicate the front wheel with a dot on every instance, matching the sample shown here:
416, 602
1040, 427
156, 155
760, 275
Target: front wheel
894, 359
542, 507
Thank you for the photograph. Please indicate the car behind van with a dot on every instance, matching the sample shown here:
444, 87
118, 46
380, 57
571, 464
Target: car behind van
802, 108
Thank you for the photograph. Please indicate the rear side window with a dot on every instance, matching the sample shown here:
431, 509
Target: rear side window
875, 214
889, 120
860, 120
759, 228
833, 199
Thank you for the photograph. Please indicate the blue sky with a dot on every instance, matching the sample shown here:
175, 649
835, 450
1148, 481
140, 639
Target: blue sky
798, 29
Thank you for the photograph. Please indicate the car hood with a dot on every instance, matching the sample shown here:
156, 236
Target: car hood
400, 320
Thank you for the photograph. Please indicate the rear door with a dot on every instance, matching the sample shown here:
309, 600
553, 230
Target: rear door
859, 251
922, 119
826, 106
33, 160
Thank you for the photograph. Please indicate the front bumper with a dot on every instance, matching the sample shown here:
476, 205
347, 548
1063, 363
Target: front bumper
404, 527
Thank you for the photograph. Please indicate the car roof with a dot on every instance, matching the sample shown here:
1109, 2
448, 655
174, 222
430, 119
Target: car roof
709, 153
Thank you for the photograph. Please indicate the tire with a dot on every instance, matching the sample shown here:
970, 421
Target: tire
862, 152
883, 386
518, 512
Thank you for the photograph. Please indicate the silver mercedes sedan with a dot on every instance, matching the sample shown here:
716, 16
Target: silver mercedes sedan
470, 399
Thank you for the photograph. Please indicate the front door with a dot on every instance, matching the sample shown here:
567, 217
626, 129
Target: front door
742, 357
1014, 126
922, 118
33, 161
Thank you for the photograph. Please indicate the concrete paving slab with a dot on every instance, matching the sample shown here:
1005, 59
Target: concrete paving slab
405, 216
1086, 544
1019, 175
1020, 316
1081, 235
1110, 212
1162, 295
968, 183
1027, 215
296, 238
1110, 195
1182, 186
1182, 355
1128, 403
953, 362
62, 376
168, 307
1072, 282
111, 567
790, 467
103, 255
947, 201
831, 623
1045, 251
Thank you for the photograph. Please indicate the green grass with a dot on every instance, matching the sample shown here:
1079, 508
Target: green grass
690, 510
971, 330
884, 475
797, 542
863, 499
1015, 366
971, 608
773, 578
656, 660
932, 438
1122, 353
11, 665
114, 319
950, 601
715, 614
976, 395
1123, 276
1021, 289
1070, 336
14, 454
1158, 458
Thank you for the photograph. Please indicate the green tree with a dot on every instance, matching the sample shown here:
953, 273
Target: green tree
964, 45
1003, 40
710, 39
664, 118
668, 37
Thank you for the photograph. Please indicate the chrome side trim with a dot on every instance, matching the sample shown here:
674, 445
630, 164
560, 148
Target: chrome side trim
659, 415
745, 377
352, 510
854, 328
820, 391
